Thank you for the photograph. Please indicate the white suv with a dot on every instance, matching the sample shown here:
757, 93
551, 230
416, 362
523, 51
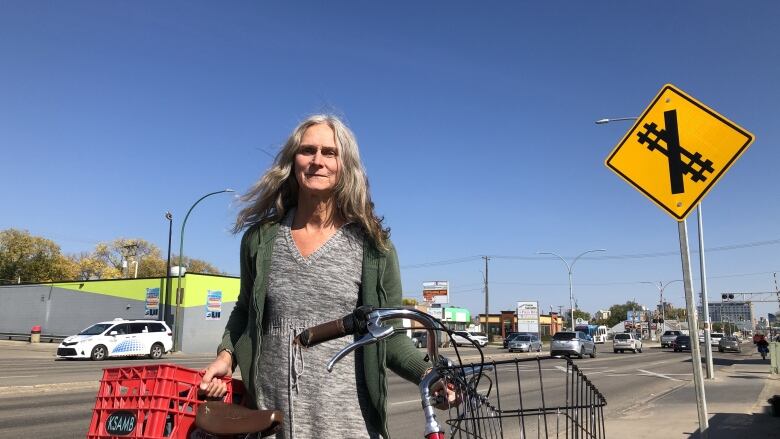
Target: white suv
626, 342
119, 338
460, 338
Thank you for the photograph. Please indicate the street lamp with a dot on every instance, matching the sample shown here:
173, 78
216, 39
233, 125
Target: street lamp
661, 287
166, 309
570, 268
614, 119
176, 320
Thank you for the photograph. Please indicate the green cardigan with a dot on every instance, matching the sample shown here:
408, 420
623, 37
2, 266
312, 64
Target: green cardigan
380, 287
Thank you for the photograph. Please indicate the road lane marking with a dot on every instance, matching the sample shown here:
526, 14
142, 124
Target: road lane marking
405, 402
18, 376
50, 388
659, 375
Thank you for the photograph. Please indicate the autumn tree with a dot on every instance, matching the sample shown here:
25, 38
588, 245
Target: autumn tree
194, 265
147, 256
91, 267
32, 258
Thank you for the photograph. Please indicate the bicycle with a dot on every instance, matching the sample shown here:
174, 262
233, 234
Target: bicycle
481, 410
497, 399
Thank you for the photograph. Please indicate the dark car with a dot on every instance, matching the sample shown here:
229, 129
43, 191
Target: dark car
682, 343
420, 339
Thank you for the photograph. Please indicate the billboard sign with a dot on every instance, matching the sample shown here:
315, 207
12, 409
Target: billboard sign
634, 316
152, 307
436, 312
213, 305
436, 291
528, 317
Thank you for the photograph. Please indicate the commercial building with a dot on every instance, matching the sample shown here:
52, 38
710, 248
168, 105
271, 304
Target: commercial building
732, 314
498, 325
65, 308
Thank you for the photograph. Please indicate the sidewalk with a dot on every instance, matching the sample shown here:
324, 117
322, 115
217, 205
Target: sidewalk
737, 406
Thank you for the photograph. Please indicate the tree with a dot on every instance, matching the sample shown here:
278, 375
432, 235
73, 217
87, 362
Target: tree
406, 301
147, 256
194, 265
32, 258
123, 251
580, 314
90, 267
619, 313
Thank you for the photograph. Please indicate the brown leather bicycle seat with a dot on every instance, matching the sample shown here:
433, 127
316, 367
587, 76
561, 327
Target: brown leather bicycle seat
220, 418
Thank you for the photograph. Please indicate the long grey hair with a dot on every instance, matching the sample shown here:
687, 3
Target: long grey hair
276, 191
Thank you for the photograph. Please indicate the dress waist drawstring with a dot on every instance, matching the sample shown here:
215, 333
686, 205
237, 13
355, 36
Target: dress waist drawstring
295, 372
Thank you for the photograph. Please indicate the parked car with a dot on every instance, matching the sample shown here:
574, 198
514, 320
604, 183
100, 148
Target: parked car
682, 343
729, 343
668, 338
626, 342
525, 343
119, 338
461, 338
572, 343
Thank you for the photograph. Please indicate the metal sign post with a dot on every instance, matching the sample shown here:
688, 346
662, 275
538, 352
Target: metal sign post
674, 154
701, 401
705, 307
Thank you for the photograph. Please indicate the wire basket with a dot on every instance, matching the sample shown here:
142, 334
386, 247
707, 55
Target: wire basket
543, 397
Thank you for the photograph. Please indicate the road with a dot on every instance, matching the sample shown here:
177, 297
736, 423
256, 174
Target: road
41, 397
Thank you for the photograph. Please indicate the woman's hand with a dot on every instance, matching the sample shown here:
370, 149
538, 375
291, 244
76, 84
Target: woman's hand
211, 385
445, 395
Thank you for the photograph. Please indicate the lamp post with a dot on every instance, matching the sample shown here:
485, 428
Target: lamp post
165, 312
569, 269
614, 119
179, 294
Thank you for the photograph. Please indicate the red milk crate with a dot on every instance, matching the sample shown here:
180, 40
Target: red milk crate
152, 402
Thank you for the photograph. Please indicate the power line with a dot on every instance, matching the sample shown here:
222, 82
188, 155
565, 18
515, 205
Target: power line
604, 257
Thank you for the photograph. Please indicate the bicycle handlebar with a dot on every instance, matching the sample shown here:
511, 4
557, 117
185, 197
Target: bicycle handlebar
355, 322
368, 321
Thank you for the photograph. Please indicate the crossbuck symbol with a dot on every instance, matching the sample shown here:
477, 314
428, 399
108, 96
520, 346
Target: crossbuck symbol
674, 152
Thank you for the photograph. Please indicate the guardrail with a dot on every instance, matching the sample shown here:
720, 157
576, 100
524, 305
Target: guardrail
26, 337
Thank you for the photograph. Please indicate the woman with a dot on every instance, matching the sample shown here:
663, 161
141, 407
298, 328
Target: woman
313, 250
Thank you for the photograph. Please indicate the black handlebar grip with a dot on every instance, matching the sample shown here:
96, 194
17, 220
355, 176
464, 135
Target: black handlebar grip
347, 325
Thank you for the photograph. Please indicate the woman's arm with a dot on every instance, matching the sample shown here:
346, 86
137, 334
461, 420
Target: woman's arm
236, 324
402, 357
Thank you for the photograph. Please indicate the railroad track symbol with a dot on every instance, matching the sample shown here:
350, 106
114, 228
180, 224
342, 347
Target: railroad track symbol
693, 165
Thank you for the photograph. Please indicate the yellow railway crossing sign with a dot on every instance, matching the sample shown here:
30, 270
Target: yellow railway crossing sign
677, 151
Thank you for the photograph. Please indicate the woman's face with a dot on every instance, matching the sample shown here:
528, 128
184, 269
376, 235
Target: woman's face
316, 162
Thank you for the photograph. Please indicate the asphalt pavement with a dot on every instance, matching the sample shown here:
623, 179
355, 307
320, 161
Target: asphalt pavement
648, 395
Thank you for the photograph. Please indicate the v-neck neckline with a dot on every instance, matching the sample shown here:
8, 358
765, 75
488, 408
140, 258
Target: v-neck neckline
296, 252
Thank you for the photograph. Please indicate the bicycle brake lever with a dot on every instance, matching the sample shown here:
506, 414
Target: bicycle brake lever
375, 333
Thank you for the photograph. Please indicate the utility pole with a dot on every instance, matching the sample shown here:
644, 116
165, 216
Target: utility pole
487, 331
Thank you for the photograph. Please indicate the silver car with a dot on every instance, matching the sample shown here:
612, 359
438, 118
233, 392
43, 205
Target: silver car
525, 343
568, 343
729, 343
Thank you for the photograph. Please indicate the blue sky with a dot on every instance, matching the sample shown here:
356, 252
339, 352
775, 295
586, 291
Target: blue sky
475, 124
